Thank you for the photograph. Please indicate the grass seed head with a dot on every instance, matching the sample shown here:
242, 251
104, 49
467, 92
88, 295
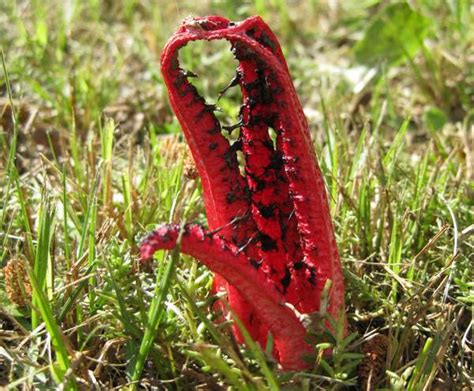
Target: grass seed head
18, 287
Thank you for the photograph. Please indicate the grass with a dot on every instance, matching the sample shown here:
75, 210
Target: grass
92, 158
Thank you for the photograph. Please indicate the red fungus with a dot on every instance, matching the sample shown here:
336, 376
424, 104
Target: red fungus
274, 243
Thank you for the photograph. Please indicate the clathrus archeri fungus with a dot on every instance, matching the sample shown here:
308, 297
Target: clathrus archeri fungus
270, 239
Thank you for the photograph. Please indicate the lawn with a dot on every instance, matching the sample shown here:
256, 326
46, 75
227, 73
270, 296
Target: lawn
92, 158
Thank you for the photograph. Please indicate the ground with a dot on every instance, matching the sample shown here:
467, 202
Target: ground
92, 158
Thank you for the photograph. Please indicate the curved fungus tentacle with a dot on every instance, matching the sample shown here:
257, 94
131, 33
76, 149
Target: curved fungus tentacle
275, 243
224, 258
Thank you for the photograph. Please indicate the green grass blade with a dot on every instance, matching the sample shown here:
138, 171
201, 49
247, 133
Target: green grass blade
219, 365
157, 308
42, 254
63, 363
272, 381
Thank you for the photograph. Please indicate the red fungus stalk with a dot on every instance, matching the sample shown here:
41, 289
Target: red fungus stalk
274, 243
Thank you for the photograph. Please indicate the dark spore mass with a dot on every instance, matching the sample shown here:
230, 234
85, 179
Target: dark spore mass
285, 281
312, 276
229, 158
214, 130
276, 162
298, 265
267, 243
255, 264
231, 197
266, 211
262, 38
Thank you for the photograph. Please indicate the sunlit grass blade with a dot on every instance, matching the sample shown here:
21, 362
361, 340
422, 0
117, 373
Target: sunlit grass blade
58, 340
390, 159
395, 255
157, 308
125, 317
42, 264
127, 198
107, 143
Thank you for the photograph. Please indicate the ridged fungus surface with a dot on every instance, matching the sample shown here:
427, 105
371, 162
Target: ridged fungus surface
270, 238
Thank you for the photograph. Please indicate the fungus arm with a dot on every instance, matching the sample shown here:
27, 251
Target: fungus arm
217, 254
